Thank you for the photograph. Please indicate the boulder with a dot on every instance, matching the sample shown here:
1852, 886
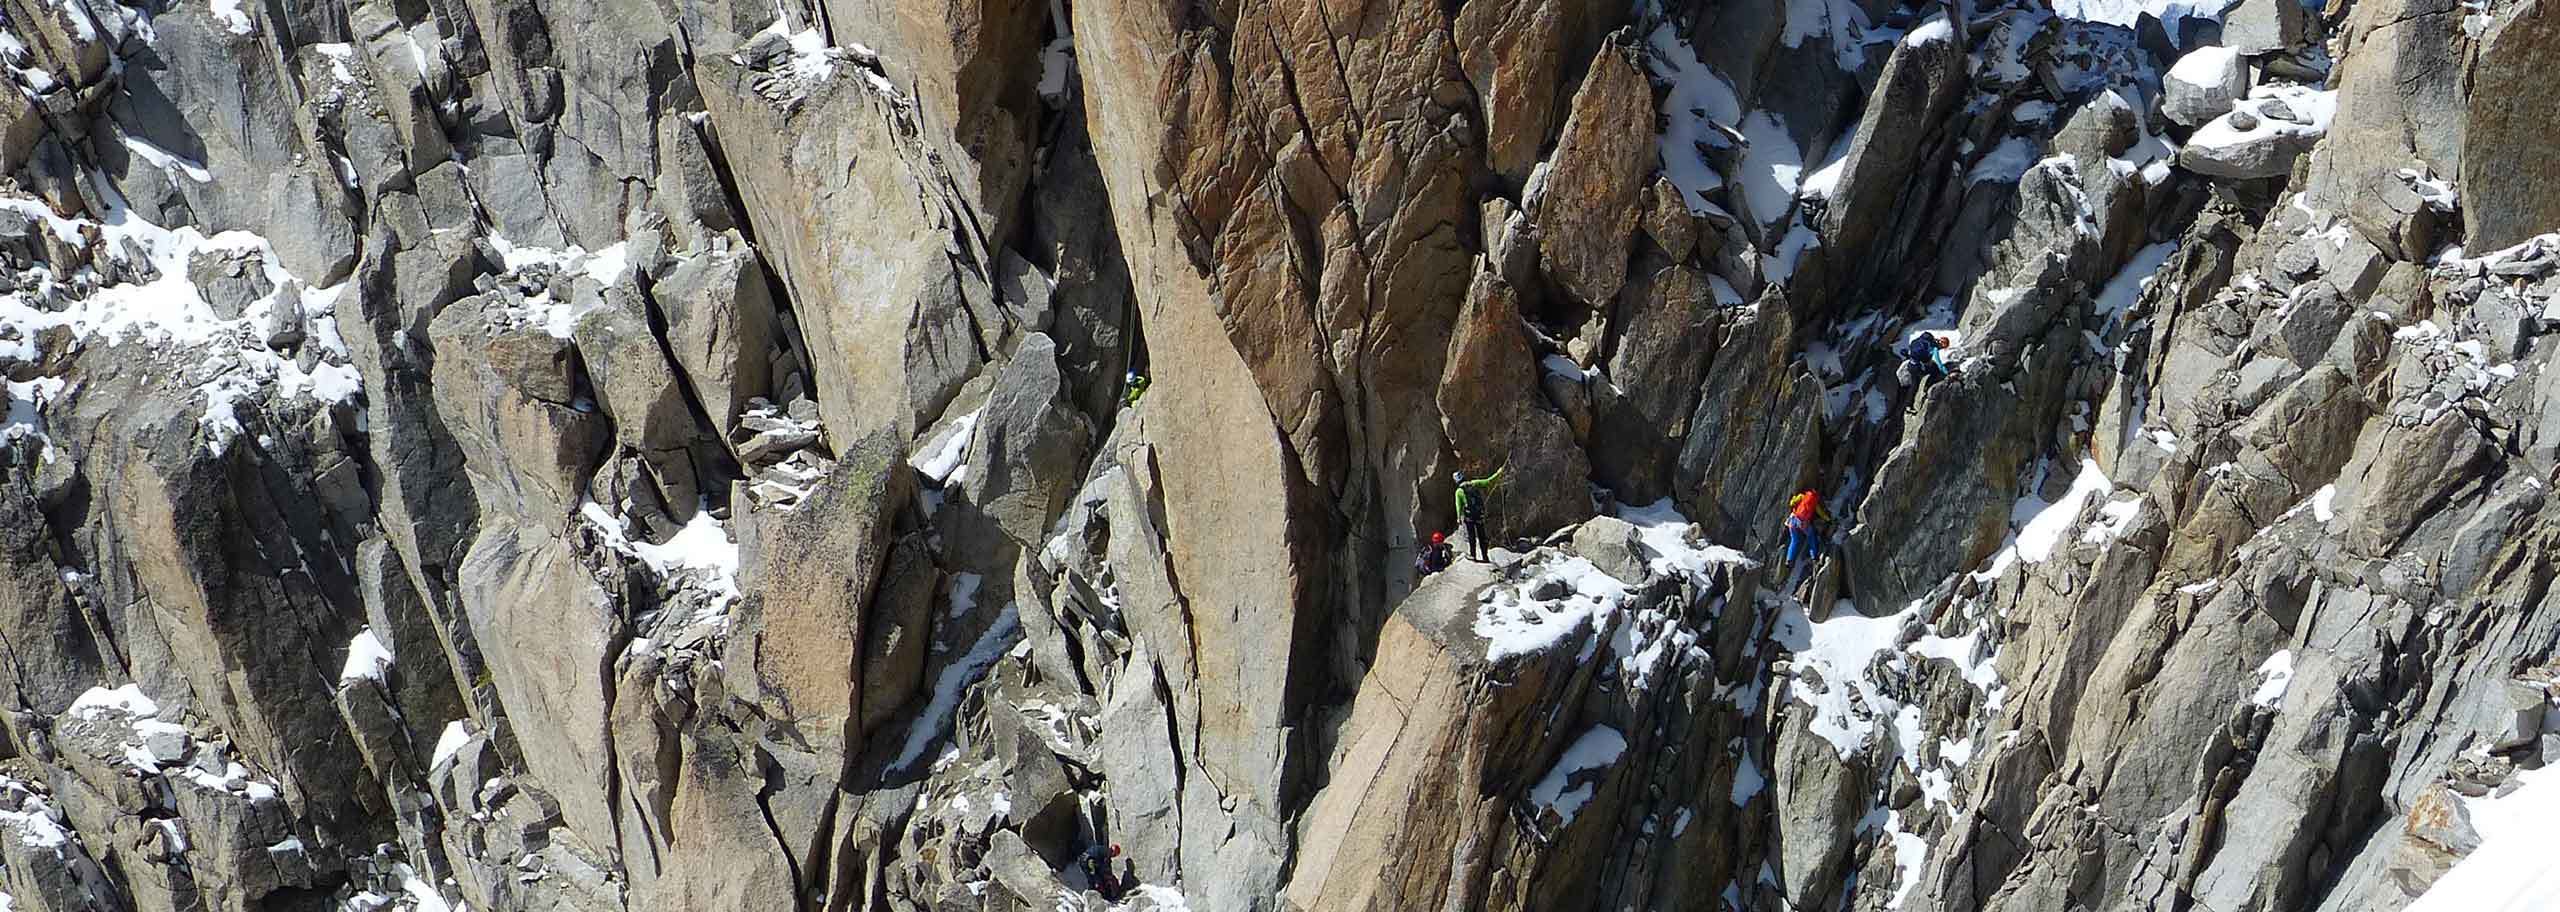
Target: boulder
633, 383
2204, 84
2256, 27
2249, 142
1610, 544
720, 326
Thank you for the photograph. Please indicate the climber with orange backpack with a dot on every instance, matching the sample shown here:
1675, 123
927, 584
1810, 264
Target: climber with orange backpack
1805, 518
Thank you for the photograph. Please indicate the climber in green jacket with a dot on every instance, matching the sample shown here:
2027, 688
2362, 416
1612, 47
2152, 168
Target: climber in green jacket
1471, 498
1137, 386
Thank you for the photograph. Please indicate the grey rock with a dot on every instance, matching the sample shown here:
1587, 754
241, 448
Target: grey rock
229, 280
2203, 85
2255, 27
1610, 544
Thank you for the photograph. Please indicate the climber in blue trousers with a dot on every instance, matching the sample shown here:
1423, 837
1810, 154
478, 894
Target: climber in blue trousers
1805, 517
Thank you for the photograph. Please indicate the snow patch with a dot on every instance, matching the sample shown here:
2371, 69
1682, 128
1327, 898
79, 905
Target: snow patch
456, 734
2312, 109
368, 658
2512, 870
1935, 30
2274, 675
940, 459
701, 551
1772, 166
168, 162
2045, 527
1909, 853
98, 701
954, 680
1698, 100
1515, 623
2006, 162
1747, 782
2127, 13
1597, 748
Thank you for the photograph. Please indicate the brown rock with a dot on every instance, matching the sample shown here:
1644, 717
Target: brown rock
1588, 206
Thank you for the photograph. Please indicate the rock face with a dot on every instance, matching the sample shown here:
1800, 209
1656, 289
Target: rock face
601, 455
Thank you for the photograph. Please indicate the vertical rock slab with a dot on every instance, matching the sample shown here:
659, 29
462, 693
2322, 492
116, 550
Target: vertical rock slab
811, 575
550, 635
862, 226
2510, 165
1587, 209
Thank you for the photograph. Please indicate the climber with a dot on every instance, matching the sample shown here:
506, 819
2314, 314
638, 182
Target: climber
1137, 383
1924, 360
1805, 517
1433, 557
1471, 497
1097, 871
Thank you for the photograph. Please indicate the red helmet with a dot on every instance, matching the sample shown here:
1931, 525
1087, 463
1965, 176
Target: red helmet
1115, 850
1438, 537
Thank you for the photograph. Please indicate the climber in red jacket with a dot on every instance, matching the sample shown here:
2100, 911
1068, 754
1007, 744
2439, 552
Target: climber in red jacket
1804, 512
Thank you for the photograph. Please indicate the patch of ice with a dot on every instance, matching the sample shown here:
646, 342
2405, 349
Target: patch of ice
2322, 503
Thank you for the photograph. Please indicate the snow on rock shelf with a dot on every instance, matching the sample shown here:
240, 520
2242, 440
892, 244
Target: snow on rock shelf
368, 658
2513, 869
1569, 784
